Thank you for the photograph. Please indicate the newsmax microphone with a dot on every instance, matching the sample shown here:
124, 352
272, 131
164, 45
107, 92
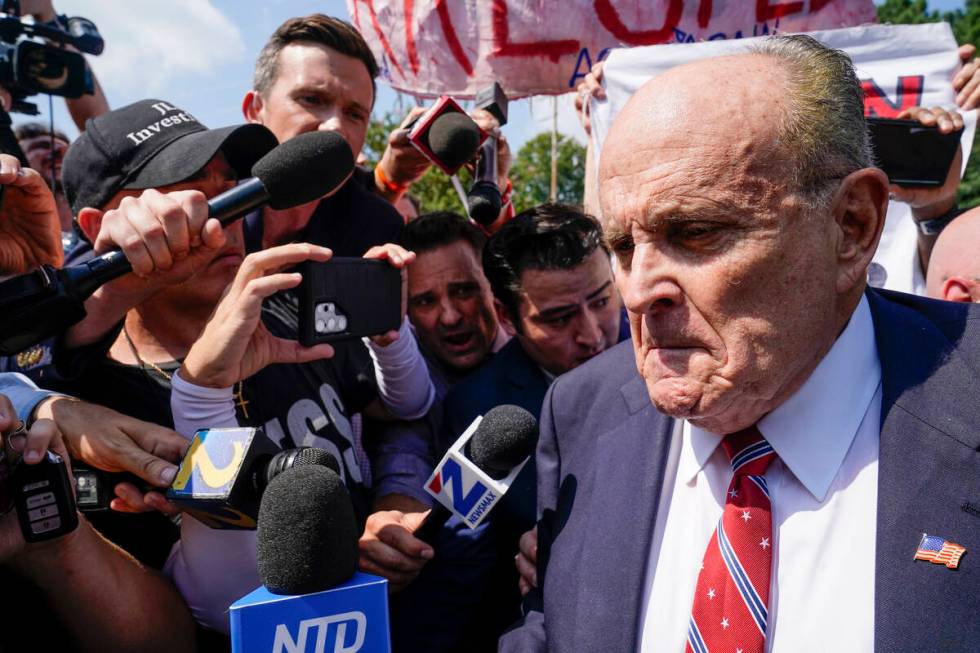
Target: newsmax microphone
225, 472
44, 302
479, 468
312, 597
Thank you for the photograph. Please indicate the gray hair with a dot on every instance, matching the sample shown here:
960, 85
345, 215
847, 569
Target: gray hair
824, 126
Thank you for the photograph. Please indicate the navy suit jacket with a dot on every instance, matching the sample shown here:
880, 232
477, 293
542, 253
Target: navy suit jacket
467, 596
601, 459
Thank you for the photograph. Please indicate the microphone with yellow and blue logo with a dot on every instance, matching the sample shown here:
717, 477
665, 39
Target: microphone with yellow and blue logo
221, 478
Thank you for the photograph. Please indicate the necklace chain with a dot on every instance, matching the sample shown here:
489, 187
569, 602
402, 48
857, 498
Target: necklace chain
239, 397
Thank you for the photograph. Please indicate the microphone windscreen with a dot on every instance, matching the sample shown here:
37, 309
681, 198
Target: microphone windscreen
304, 168
454, 139
483, 202
316, 456
504, 438
307, 535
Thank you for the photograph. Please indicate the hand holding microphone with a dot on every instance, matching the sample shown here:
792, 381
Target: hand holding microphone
43, 303
478, 469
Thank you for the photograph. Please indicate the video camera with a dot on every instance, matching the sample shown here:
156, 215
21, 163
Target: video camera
29, 67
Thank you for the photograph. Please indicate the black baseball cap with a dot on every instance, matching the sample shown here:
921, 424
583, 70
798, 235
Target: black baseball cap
151, 144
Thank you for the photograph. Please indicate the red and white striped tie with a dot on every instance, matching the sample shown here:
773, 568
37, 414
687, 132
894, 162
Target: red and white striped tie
731, 603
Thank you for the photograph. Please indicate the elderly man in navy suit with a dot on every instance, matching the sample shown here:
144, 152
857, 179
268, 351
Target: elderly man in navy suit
758, 471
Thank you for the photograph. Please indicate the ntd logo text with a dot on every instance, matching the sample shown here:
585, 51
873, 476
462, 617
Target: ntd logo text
321, 627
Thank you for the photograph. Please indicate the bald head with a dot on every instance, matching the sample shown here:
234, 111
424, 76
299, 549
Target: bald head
737, 198
798, 102
954, 266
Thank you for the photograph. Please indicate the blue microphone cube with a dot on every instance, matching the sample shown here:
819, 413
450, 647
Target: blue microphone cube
349, 618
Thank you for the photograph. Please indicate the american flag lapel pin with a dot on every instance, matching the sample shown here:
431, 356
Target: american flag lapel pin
940, 551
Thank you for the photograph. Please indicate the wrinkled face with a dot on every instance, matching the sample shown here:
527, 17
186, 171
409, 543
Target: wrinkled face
317, 88
451, 306
728, 277
568, 316
44, 158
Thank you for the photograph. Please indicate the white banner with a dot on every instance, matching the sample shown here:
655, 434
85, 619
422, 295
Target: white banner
900, 66
456, 47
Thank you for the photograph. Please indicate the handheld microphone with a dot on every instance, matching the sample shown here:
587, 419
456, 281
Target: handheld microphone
484, 200
479, 468
307, 550
44, 302
446, 135
225, 472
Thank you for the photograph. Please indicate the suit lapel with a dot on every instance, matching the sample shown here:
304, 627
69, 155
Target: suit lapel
928, 475
625, 493
526, 377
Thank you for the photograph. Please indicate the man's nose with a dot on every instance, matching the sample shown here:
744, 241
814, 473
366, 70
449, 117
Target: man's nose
449, 315
589, 332
332, 121
648, 286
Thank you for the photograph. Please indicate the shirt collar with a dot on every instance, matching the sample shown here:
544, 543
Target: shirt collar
812, 431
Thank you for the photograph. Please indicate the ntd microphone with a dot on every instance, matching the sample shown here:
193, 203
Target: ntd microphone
222, 476
480, 467
312, 599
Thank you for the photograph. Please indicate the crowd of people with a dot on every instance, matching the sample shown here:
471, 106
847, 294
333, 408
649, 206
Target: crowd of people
720, 286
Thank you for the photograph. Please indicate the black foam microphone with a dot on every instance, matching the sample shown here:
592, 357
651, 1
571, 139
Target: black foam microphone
484, 200
44, 302
307, 534
454, 138
446, 135
312, 597
504, 438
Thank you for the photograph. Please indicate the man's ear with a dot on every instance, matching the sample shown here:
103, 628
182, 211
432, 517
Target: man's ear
252, 106
958, 289
90, 220
858, 208
503, 316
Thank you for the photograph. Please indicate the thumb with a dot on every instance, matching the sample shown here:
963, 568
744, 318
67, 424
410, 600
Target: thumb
413, 520
148, 467
290, 351
966, 51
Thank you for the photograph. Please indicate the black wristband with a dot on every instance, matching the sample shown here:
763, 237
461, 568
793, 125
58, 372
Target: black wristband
934, 226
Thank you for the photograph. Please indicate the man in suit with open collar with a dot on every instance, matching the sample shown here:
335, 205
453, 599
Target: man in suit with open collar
743, 230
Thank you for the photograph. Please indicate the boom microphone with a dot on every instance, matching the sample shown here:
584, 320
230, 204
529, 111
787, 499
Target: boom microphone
479, 468
44, 302
307, 552
225, 472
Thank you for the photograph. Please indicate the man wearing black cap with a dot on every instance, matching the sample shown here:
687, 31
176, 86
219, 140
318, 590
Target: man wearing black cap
148, 168
153, 144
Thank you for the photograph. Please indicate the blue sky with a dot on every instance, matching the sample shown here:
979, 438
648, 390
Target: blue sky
198, 54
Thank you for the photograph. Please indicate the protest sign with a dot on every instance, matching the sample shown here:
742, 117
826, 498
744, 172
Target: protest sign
531, 47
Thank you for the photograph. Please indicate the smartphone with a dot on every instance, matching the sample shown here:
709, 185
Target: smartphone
912, 154
347, 298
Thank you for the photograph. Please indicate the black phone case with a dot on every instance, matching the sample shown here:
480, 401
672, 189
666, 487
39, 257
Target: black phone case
911, 154
347, 298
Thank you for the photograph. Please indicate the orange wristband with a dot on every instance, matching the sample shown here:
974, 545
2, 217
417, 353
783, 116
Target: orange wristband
390, 186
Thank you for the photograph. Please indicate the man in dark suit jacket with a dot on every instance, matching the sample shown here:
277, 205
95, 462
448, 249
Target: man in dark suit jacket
552, 286
742, 254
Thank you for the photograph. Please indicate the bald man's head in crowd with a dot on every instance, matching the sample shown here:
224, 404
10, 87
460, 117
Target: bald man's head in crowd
954, 266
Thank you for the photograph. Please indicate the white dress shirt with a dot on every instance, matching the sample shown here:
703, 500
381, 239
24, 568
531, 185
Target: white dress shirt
824, 487
896, 264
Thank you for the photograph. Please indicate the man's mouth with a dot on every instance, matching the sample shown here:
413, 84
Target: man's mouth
459, 341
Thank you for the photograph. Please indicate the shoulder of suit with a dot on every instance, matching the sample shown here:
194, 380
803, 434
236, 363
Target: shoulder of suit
606, 374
